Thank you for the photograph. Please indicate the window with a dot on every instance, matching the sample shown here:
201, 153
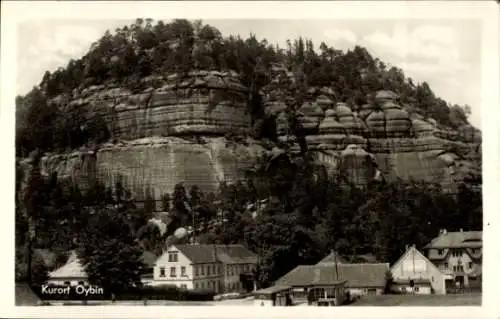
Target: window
162, 271
470, 265
81, 283
197, 270
196, 286
416, 289
440, 251
227, 270
454, 268
202, 270
445, 265
209, 284
183, 271
67, 283
172, 272
202, 285
213, 269
473, 250
208, 270
218, 270
173, 257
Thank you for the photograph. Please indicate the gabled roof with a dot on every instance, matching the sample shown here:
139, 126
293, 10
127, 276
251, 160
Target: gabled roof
72, 269
228, 254
461, 239
314, 275
413, 250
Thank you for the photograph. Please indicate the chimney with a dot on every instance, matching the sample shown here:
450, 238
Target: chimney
445, 231
461, 230
214, 253
406, 247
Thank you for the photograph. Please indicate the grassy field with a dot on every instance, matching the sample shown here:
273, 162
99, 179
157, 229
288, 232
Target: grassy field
472, 299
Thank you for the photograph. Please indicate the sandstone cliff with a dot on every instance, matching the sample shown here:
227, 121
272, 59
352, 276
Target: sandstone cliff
383, 139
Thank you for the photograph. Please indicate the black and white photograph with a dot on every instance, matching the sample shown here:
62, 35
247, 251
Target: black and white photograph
259, 162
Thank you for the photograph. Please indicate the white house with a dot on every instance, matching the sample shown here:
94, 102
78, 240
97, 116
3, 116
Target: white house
204, 267
71, 274
414, 273
459, 256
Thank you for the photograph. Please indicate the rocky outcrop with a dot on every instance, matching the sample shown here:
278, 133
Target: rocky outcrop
384, 139
156, 165
201, 103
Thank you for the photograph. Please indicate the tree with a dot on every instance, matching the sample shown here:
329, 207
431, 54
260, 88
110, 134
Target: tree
39, 272
110, 253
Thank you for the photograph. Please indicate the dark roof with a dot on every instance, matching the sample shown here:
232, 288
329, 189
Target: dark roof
272, 290
149, 258
461, 239
228, 254
364, 274
316, 275
357, 275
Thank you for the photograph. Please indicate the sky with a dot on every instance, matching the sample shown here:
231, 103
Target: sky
444, 53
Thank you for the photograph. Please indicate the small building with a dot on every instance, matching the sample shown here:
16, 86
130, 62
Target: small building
217, 268
362, 278
315, 285
71, 274
414, 273
459, 256
273, 296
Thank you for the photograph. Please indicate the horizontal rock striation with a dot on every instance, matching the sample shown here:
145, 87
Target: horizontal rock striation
156, 165
201, 103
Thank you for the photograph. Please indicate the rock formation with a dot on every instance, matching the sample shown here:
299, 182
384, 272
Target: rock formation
169, 135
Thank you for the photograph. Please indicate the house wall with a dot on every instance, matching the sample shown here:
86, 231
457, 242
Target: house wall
418, 289
181, 281
449, 265
414, 265
231, 276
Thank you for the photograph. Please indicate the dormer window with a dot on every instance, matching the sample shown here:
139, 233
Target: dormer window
440, 251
